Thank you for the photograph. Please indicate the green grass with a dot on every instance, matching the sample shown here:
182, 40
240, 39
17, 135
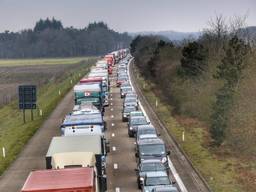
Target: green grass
47, 61
219, 172
14, 134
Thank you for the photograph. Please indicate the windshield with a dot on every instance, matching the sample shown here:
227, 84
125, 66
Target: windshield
138, 121
152, 181
152, 149
129, 109
146, 131
128, 100
126, 89
87, 100
156, 166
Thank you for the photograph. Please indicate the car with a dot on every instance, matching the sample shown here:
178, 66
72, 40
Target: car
149, 165
121, 80
145, 132
134, 122
131, 101
153, 180
124, 90
126, 112
153, 148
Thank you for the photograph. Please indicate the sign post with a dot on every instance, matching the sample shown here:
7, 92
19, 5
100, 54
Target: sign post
27, 99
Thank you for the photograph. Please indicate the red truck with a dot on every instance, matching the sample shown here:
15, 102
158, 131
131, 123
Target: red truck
61, 180
110, 58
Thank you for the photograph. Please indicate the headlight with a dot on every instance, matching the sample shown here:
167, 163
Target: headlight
164, 159
141, 179
131, 128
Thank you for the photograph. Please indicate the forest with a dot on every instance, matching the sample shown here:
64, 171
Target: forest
50, 39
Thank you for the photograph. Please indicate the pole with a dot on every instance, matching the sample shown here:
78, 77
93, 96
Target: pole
32, 115
24, 116
3, 152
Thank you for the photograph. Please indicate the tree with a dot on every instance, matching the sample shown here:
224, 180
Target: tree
230, 71
193, 62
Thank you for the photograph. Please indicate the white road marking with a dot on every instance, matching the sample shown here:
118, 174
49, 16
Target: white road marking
111, 103
111, 109
117, 189
111, 98
112, 116
114, 148
113, 135
115, 166
113, 124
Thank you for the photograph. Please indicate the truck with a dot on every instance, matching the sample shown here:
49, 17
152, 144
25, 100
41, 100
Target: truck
91, 92
103, 83
83, 123
79, 151
110, 58
63, 180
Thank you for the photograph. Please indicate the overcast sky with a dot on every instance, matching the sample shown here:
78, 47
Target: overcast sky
124, 15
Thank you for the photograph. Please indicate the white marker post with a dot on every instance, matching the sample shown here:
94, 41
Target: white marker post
59, 92
183, 136
71, 81
3, 152
41, 112
156, 103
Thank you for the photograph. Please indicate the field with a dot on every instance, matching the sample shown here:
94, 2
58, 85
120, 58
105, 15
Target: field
50, 80
22, 62
34, 71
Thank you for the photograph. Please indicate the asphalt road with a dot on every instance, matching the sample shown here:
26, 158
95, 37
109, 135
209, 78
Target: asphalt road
33, 155
121, 160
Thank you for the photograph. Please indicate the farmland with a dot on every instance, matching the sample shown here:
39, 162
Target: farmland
50, 79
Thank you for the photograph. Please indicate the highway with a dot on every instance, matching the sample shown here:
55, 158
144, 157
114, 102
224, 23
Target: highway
121, 160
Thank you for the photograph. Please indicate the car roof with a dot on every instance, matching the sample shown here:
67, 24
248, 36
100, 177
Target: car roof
151, 141
145, 127
138, 117
165, 189
151, 161
156, 174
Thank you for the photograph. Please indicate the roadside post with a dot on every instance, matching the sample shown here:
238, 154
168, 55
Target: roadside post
183, 136
3, 150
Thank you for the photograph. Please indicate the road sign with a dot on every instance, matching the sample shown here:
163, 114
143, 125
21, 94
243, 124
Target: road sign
27, 97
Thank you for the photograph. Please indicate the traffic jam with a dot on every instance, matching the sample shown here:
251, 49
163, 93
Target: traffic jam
77, 160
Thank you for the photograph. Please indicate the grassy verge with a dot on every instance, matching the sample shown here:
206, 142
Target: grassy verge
219, 171
13, 133
47, 61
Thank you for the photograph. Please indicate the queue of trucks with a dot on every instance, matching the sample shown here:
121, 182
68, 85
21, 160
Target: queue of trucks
76, 160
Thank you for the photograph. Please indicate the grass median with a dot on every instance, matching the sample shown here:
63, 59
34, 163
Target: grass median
219, 171
13, 133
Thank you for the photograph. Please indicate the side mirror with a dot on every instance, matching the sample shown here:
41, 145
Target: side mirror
136, 155
168, 153
137, 170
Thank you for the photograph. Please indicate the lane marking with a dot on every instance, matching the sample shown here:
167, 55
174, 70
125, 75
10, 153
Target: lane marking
114, 148
111, 103
111, 98
111, 109
117, 189
115, 166
113, 135
113, 124
112, 116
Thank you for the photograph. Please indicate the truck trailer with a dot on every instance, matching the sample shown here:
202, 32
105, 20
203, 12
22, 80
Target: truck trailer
62, 180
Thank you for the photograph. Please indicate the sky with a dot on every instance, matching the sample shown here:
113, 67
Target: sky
124, 15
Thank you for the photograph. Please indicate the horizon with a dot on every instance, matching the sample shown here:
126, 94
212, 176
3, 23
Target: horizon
150, 15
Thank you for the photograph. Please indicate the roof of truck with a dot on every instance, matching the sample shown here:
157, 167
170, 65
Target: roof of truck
83, 143
83, 119
49, 180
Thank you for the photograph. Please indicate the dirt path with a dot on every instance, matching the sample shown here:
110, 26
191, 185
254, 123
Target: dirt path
33, 155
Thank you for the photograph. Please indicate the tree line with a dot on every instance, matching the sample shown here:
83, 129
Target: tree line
50, 39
